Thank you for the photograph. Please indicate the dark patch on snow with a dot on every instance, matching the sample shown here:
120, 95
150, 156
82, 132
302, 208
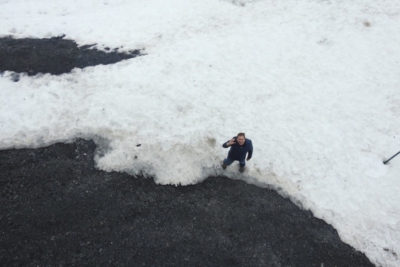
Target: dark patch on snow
390, 251
56, 209
53, 55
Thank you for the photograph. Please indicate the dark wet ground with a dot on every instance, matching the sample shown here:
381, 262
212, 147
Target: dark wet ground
58, 210
53, 55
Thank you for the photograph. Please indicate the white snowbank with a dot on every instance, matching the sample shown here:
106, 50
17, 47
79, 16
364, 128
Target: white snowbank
314, 84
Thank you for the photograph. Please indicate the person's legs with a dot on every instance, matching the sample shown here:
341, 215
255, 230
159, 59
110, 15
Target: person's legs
242, 164
228, 161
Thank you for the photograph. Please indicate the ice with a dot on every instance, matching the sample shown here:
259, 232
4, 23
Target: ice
314, 84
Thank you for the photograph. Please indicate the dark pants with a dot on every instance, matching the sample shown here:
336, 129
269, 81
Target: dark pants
228, 161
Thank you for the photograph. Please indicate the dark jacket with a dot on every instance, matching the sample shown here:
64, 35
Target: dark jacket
238, 152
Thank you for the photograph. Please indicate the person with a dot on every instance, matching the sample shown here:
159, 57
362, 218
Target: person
239, 147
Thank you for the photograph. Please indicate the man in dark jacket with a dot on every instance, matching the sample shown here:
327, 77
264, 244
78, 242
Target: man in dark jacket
240, 146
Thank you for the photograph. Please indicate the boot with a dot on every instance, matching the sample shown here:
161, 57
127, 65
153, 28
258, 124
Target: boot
241, 168
223, 165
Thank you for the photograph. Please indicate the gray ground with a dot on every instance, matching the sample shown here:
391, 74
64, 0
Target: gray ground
53, 55
57, 209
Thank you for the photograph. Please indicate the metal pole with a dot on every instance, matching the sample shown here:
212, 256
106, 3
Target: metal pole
386, 161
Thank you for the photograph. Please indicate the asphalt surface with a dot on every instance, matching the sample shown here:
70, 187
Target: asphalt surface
58, 210
54, 55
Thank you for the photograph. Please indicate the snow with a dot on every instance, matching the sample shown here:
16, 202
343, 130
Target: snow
314, 84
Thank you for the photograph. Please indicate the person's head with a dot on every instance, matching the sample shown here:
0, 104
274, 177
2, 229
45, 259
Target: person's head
240, 138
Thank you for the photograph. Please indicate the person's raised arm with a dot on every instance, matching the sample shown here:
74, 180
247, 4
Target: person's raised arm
229, 143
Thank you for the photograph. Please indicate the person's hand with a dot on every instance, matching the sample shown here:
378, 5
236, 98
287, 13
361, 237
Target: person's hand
248, 159
231, 142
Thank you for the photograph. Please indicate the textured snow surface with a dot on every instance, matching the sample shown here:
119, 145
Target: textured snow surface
314, 84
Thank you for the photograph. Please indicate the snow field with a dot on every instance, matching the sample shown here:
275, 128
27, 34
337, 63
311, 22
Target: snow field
314, 84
